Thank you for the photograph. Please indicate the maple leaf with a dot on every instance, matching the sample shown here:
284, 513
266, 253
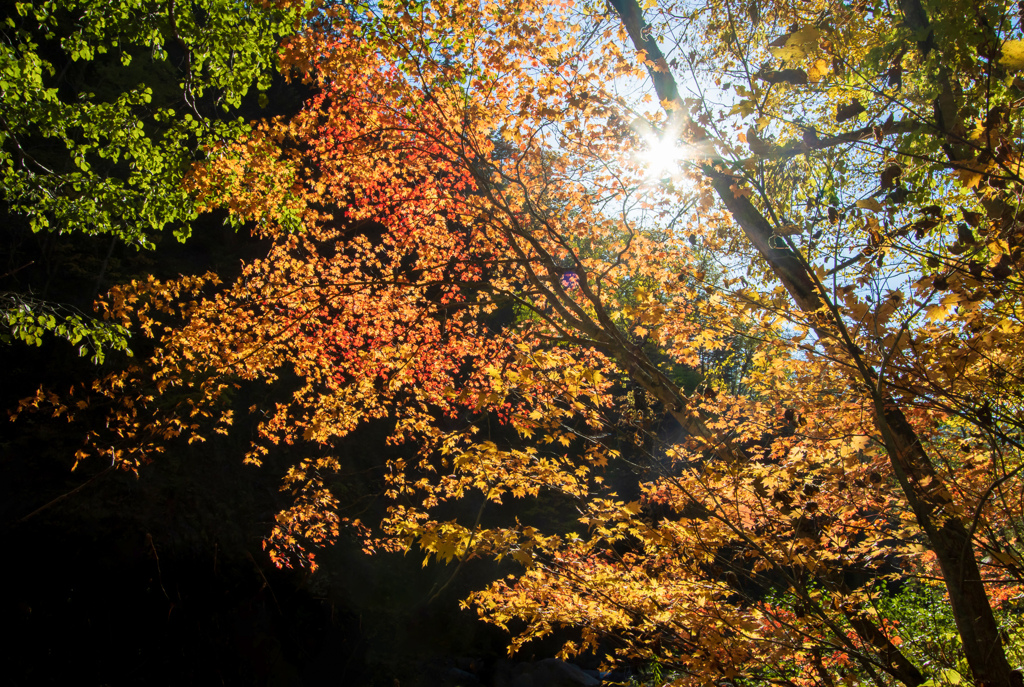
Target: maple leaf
480, 249
740, 191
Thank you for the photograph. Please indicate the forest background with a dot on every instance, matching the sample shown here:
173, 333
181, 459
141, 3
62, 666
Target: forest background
701, 323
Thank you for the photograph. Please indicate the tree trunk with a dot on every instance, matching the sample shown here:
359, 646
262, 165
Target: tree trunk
927, 496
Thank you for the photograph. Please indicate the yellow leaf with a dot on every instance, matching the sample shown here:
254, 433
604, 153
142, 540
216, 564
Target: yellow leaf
788, 230
870, 204
938, 312
798, 44
970, 178
818, 70
1013, 55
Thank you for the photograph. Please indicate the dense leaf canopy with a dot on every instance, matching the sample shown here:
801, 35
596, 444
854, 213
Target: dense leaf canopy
468, 243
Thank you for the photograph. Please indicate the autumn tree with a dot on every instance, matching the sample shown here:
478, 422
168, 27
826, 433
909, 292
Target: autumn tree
907, 190
933, 153
852, 170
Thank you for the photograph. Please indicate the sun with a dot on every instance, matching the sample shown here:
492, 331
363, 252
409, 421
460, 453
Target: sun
663, 157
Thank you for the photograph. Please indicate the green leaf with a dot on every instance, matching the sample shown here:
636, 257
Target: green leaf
951, 676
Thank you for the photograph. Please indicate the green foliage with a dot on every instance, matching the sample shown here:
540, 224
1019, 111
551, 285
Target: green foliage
924, 621
105, 105
650, 674
28, 320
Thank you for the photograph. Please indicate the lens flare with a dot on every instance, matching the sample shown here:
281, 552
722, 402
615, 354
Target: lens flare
663, 157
